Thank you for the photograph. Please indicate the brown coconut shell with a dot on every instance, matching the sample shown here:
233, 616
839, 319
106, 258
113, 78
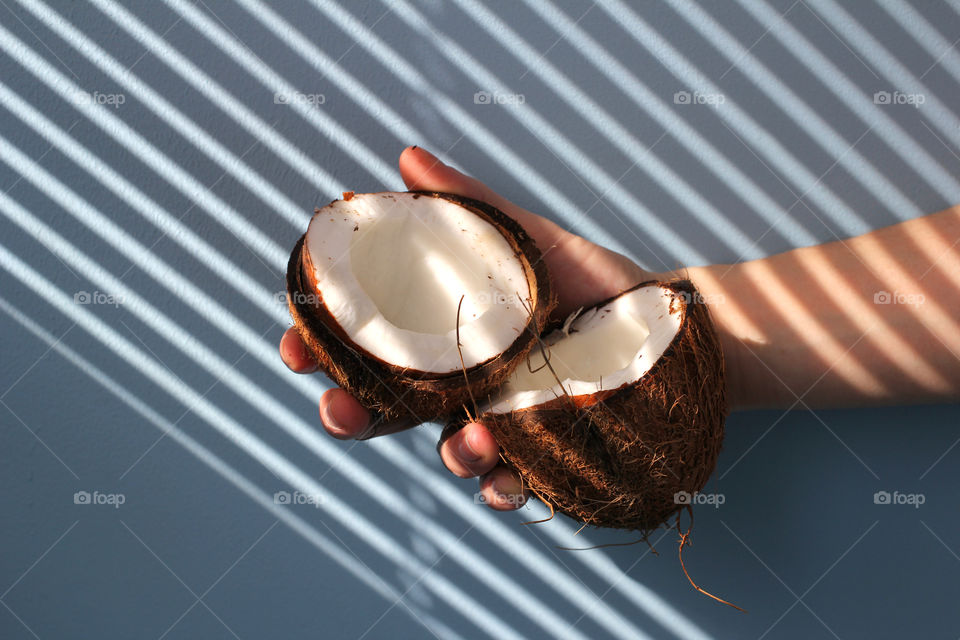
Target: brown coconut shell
400, 395
619, 457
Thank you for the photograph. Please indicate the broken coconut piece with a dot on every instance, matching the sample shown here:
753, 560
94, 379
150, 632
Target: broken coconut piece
382, 285
619, 414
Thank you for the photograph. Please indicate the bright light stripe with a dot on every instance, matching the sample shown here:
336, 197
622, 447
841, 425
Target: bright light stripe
98, 114
800, 112
328, 501
222, 319
222, 99
723, 228
592, 173
697, 145
226, 159
330, 548
759, 139
882, 125
289, 422
943, 52
900, 77
231, 273
352, 146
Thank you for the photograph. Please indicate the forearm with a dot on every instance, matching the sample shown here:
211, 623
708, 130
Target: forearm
870, 320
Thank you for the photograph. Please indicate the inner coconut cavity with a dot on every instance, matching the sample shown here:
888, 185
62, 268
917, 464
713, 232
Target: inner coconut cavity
392, 268
602, 349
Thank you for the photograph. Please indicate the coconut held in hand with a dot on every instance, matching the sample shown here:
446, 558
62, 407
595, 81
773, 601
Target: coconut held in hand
609, 417
382, 284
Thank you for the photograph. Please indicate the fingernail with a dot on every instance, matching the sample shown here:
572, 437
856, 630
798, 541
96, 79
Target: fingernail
505, 486
331, 422
508, 490
429, 154
465, 451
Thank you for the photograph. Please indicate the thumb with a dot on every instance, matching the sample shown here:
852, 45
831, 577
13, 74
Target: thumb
421, 170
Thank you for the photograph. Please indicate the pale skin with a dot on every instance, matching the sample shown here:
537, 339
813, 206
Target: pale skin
870, 320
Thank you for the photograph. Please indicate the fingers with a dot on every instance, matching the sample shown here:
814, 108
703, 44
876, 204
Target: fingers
295, 354
422, 170
379, 428
582, 272
470, 451
343, 417
502, 489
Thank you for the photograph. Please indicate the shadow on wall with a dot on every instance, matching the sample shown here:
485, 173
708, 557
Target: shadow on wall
617, 218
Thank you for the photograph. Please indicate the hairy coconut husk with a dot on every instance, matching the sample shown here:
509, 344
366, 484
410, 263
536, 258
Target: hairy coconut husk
619, 457
397, 394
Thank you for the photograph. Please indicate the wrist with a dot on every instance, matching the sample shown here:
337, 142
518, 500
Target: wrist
717, 285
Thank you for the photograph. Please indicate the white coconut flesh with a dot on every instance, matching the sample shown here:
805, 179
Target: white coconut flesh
603, 348
391, 268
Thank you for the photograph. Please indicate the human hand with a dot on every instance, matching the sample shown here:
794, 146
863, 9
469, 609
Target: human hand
583, 273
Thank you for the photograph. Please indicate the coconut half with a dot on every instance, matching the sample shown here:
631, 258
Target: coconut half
618, 417
382, 285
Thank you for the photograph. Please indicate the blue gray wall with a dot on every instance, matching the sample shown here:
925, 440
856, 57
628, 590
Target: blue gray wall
157, 162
